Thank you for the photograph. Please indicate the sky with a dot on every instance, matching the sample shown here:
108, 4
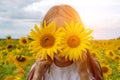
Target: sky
17, 17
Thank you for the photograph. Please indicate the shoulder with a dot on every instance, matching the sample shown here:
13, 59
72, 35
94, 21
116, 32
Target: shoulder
31, 72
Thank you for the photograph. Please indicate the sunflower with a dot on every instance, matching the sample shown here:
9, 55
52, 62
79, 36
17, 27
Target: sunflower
4, 54
8, 38
104, 61
75, 40
96, 54
7, 58
23, 41
20, 60
117, 57
110, 54
106, 69
19, 71
46, 40
118, 48
9, 47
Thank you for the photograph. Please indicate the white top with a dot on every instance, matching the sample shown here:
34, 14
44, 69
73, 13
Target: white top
63, 73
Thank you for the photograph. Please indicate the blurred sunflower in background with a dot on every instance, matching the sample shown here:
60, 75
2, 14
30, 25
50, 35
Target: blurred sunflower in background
19, 71
117, 57
96, 54
110, 54
4, 54
75, 40
8, 38
23, 41
118, 48
107, 70
20, 60
9, 46
46, 40
103, 61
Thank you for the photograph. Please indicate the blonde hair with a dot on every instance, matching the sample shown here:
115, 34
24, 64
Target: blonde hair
61, 14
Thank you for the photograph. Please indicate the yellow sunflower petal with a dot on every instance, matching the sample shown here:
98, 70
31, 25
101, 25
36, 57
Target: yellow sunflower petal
36, 28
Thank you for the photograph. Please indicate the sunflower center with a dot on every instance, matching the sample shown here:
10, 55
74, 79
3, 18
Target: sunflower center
47, 41
118, 48
24, 41
20, 58
73, 41
9, 46
9, 37
104, 69
117, 58
111, 54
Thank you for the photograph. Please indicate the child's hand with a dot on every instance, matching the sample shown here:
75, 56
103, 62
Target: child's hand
82, 67
41, 67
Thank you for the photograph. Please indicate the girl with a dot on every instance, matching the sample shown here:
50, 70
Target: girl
60, 68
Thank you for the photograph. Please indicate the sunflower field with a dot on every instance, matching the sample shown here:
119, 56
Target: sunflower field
16, 58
